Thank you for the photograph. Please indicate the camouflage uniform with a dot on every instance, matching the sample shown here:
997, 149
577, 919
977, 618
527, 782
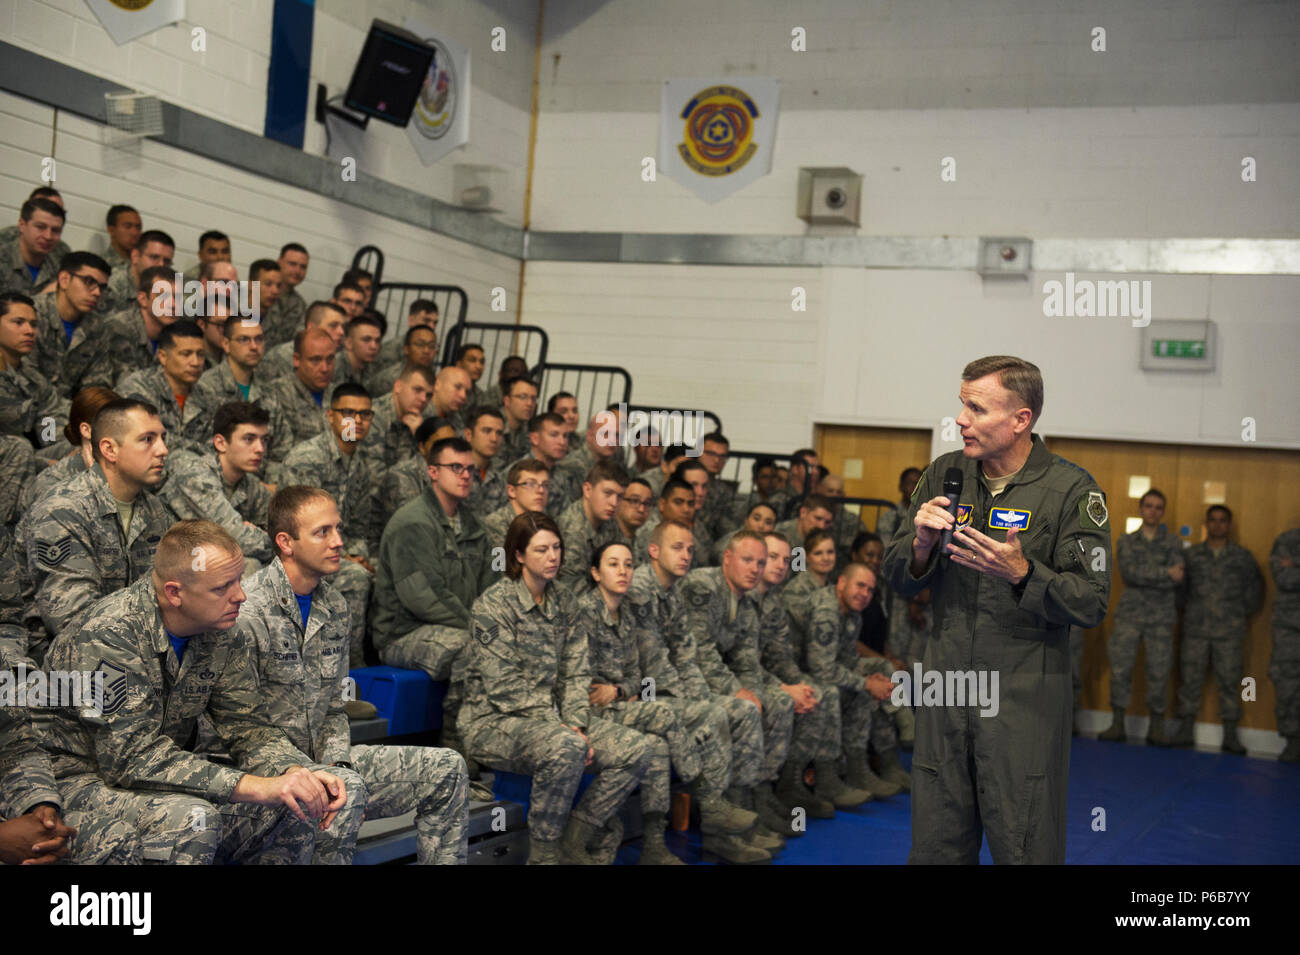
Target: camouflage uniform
612, 645
15, 277
514, 445
1145, 613
402, 482
497, 523
285, 318
60, 359
134, 762
701, 556
216, 387
726, 642
580, 542
718, 504
301, 672
390, 441
302, 416
29, 405
488, 491
197, 490
428, 574
320, 463
729, 730
123, 286
344, 371
1284, 667
816, 734
152, 385
17, 470
526, 685
890, 521
78, 552
277, 362
122, 348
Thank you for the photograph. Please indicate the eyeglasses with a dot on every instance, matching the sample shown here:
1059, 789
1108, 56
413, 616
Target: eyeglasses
533, 485
91, 283
638, 502
364, 415
453, 466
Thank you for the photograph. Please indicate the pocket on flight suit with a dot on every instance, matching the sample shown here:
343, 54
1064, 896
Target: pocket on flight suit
1029, 808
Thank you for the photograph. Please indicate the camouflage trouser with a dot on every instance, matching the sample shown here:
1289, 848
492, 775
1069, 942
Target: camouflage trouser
671, 747
778, 729
1076, 664
1158, 636
553, 754
1224, 652
440, 652
353, 582
817, 734
881, 729
709, 730
857, 709
181, 829
101, 841
1284, 671
750, 764
398, 779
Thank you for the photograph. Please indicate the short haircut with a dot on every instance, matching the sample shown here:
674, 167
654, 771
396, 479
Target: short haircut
232, 324
453, 444
422, 305
599, 553
311, 333
1021, 378
292, 247
414, 329
44, 192
380, 319
777, 535
482, 411
607, 470
512, 359
673, 452
409, 371
549, 417
853, 567
906, 473
523, 529
556, 398
526, 466
317, 310
234, 413
814, 501
85, 405
1227, 511
864, 538
174, 558
744, 535
801, 457
761, 463
41, 204
364, 319
155, 273
465, 349
1152, 493
181, 328
212, 235
349, 389
428, 427
692, 465
675, 483
262, 265
761, 504
717, 437
111, 420
816, 536
153, 235
344, 285
76, 260
642, 481
657, 534
14, 298
286, 504
356, 275
114, 211
508, 386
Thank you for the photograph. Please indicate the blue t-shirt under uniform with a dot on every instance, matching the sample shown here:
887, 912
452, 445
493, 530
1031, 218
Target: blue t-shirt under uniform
304, 607
179, 645
68, 329
33, 270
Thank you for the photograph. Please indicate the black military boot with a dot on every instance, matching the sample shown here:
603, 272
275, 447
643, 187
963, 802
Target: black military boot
573, 844
1230, 742
1186, 735
794, 794
829, 786
1156, 731
1115, 734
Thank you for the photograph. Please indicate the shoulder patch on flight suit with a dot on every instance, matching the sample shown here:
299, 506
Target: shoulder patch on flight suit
1093, 509
52, 555
963, 514
1008, 518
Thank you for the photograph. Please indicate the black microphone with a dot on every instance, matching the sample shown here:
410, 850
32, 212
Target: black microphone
952, 482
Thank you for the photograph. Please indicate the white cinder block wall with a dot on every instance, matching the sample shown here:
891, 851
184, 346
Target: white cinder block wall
1048, 143
229, 80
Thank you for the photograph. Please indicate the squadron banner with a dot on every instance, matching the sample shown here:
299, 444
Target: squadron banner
128, 19
716, 136
440, 120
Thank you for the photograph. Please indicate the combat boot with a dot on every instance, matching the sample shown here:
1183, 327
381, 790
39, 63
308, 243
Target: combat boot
1186, 735
543, 852
719, 816
764, 838
860, 776
1116, 732
892, 771
654, 851
906, 728
794, 794
1291, 754
829, 786
1230, 742
772, 813
1156, 731
573, 844
733, 850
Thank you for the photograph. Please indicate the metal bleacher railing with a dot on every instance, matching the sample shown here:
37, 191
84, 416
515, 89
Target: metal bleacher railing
370, 258
499, 341
674, 425
594, 386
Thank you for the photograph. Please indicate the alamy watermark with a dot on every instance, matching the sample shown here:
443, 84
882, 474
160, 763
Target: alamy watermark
79, 689
197, 299
1085, 298
650, 429
924, 687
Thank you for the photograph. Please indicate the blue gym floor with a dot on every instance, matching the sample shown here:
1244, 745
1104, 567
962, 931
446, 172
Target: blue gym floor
1163, 807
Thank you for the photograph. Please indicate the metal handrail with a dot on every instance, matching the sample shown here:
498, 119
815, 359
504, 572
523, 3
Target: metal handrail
376, 269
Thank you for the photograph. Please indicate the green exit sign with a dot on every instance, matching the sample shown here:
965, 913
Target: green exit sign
1177, 348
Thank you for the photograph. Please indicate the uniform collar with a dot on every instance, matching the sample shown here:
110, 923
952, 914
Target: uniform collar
1039, 460
527, 604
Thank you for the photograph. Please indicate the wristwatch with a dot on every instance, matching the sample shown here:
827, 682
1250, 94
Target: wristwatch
342, 764
1029, 573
